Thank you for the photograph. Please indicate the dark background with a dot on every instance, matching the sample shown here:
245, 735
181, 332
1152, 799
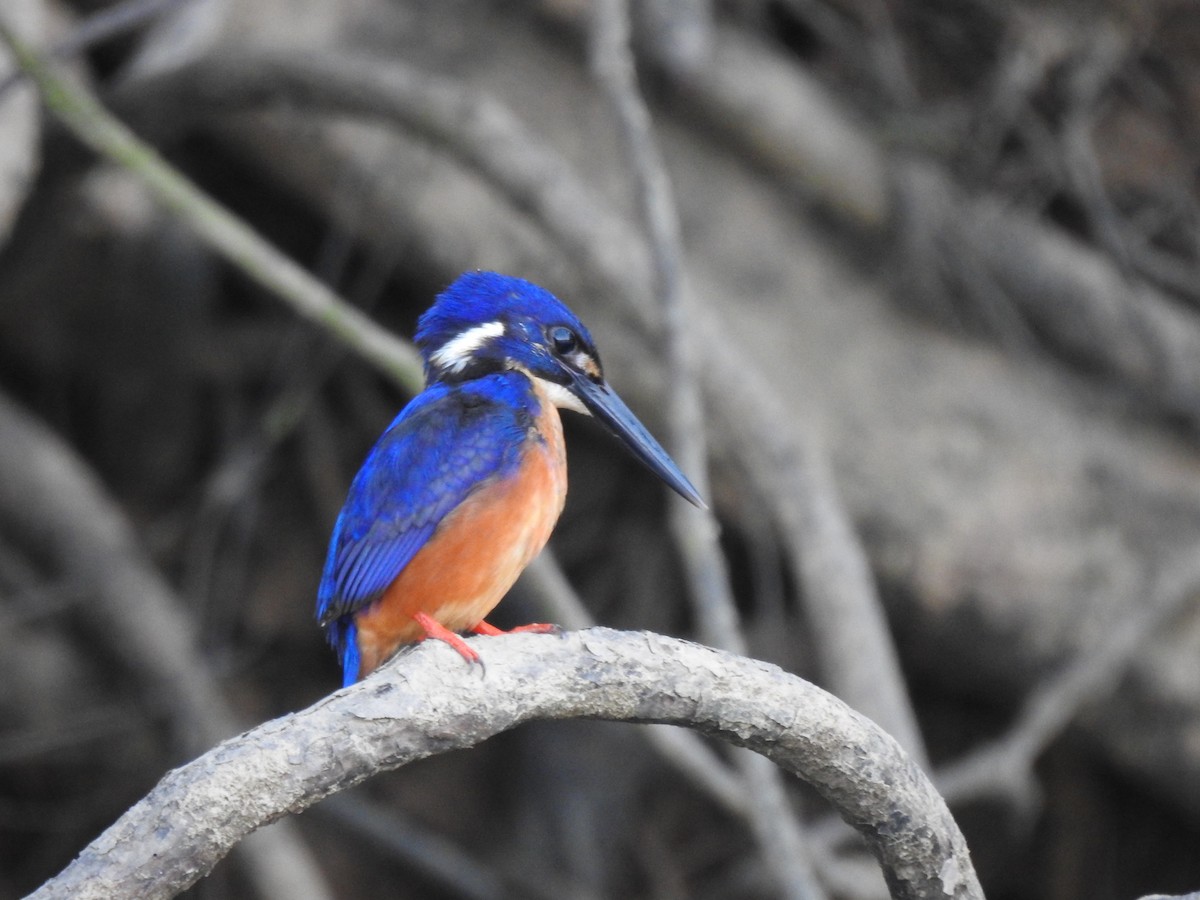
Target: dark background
967, 271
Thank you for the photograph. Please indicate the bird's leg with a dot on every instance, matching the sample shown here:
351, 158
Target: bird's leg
533, 628
439, 632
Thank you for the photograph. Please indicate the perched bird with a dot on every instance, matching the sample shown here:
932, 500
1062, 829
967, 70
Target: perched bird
465, 486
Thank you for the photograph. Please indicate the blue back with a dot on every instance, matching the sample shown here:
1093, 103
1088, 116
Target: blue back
448, 442
468, 428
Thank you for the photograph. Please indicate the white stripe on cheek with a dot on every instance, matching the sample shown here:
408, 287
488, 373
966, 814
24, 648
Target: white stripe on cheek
456, 353
561, 397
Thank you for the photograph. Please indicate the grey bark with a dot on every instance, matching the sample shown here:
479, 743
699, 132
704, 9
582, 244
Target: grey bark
427, 701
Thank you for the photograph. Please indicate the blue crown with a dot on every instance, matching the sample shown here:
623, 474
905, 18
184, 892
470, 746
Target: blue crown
478, 299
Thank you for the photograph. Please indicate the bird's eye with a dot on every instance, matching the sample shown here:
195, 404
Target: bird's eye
563, 339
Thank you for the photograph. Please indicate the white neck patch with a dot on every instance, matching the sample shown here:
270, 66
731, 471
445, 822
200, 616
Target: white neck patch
456, 352
561, 397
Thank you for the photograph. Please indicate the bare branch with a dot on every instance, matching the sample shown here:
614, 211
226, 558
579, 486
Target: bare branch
426, 702
613, 61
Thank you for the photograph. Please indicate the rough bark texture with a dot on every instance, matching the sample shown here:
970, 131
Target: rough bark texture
428, 701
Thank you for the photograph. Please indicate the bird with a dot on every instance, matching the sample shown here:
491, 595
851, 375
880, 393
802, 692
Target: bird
464, 487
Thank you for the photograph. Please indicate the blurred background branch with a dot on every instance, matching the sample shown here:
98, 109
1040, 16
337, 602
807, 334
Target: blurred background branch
940, 262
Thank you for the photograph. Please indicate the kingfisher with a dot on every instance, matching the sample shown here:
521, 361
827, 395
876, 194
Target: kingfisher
462, 490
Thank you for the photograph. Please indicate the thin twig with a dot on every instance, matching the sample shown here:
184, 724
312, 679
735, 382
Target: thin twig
857, 649
1005, 767
434, 857
307, 362
98, 27
45, 490
775, 826
613, 62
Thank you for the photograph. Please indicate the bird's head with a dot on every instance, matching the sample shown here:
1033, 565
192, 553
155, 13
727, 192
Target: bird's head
486, 322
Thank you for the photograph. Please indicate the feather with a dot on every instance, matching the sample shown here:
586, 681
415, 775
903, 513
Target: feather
446, 444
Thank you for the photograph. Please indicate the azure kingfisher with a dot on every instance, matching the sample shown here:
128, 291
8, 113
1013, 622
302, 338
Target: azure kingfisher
462, 490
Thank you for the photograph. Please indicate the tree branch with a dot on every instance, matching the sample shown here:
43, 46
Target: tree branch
427, 702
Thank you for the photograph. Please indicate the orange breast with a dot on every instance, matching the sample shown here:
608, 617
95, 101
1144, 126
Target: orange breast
477, 552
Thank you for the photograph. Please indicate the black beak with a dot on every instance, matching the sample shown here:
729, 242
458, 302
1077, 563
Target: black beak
610, 409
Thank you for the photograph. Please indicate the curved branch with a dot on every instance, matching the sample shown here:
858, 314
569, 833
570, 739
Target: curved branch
427, 702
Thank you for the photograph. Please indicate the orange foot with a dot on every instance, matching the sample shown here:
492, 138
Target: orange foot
439, 632
534, 628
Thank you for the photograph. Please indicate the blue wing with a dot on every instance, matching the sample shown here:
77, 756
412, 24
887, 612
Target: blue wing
449, 441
